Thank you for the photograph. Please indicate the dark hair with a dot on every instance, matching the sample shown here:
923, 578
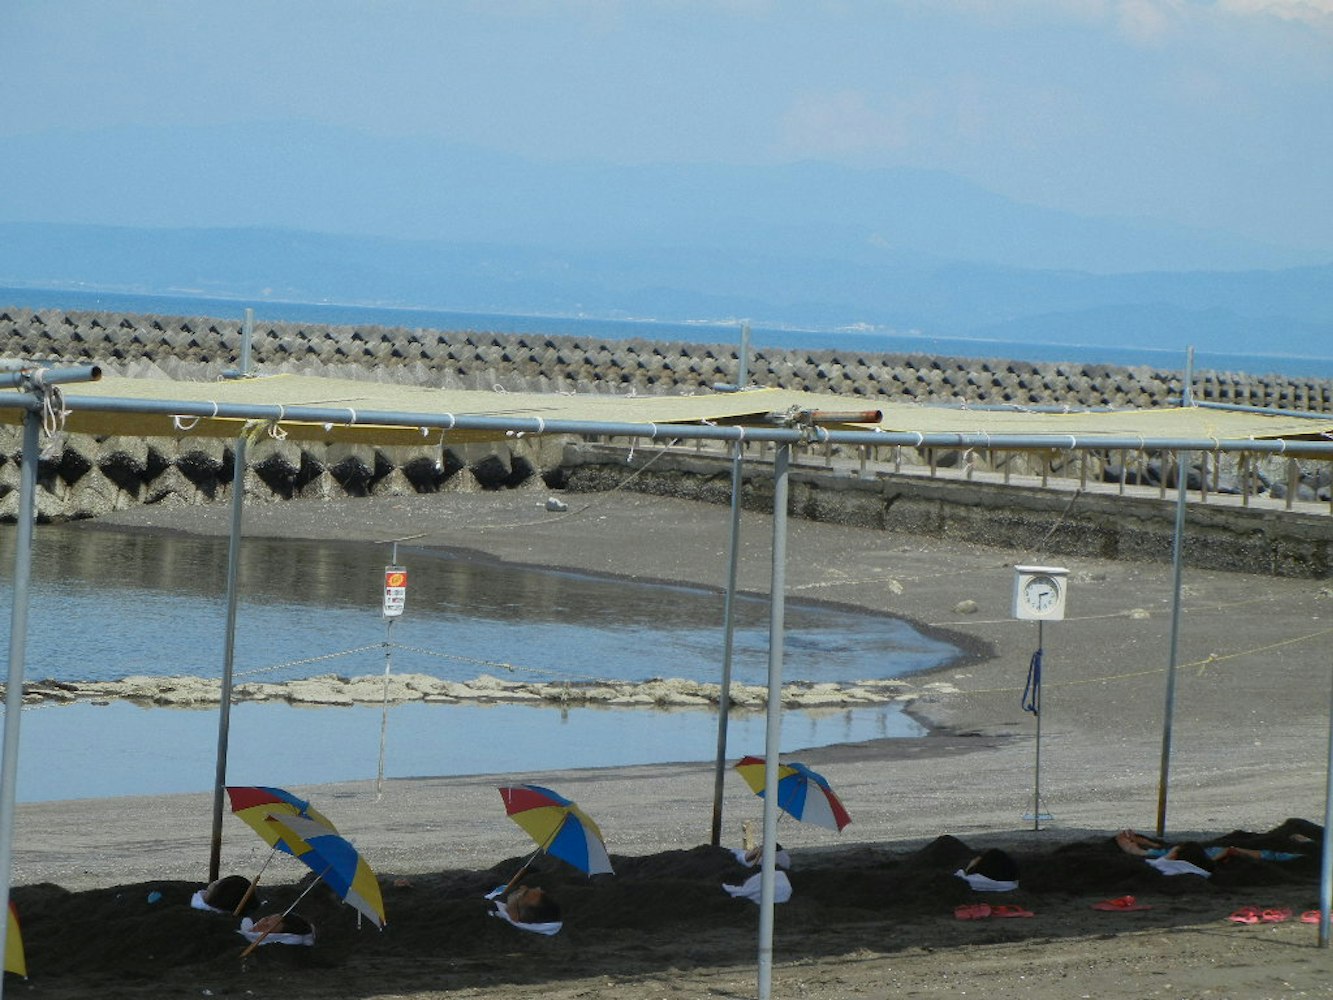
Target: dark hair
227, 893
1194, 853
544, 911
294, 923
994, 864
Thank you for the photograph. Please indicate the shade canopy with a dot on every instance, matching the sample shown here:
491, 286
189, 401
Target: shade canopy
311, 408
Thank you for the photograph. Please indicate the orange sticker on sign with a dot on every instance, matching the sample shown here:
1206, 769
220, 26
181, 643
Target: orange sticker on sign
395, 578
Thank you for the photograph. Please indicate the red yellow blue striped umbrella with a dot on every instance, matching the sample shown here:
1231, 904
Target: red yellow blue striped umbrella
803, 794
15, 960
256, 803
337, 863
559, 827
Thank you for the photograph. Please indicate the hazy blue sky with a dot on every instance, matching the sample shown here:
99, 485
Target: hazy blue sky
1214, 114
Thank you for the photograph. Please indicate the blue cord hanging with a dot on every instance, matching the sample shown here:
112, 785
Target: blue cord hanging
1032, 690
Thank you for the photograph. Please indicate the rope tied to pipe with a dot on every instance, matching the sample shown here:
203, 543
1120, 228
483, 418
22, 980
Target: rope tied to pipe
179, 420
1031, 700
54, 414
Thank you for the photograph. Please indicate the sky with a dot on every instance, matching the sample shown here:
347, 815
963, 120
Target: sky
1208, 113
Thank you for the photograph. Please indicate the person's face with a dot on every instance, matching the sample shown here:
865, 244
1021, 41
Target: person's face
522, 899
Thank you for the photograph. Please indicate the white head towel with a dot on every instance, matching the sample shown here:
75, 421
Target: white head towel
781, 858
247, 931
197, 903
983, 884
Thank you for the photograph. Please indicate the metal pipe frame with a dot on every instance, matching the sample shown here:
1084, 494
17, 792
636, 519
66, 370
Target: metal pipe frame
591, 428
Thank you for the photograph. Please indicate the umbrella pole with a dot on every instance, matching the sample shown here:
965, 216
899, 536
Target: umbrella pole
528, 864
254, 882
305, 892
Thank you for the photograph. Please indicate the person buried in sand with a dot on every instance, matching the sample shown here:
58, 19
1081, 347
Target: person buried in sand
1142, 846
993, 864
225, 894
282, 923
532, 905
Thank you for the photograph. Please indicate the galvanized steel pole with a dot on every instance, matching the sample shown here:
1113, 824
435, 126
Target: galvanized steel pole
773, 727
728, 607
1177, 543
18, 637
229, 641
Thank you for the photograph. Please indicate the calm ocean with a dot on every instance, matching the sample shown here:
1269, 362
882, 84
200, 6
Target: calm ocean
867, 341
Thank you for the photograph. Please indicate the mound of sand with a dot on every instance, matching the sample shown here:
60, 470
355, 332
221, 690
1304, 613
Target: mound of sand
658, 913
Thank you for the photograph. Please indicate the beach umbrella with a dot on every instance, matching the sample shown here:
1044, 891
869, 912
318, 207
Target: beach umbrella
256, 805
803, 794
15, 961
559, 827
337, 863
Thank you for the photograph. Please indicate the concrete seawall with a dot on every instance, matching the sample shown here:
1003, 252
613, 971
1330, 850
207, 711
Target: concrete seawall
1273, 520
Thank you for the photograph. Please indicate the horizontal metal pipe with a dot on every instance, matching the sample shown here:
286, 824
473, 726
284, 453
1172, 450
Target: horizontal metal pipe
343, 416
22, 378
1243, 408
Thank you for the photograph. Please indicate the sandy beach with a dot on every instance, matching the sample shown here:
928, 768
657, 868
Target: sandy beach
873, 912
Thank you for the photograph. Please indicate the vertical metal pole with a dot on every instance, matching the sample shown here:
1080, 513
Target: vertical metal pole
247, 334
384, 709
773, 729
1326, 852
728, 607
229, 647
1036, 766
18, 638
1177, 541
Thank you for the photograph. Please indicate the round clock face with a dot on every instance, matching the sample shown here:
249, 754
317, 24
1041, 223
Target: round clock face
1041, 593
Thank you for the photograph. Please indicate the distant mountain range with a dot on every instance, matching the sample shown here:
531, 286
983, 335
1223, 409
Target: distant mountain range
282, 212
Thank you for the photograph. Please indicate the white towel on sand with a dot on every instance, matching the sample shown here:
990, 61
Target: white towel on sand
1170, 866
983, 884
501, 911
752, 888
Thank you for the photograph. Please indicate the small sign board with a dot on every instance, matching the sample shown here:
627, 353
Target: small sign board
395, 590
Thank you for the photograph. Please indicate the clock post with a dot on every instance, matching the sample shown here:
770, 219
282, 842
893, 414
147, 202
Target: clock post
1039, 595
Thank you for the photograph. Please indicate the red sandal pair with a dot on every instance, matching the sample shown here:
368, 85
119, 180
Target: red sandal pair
980, 911
1254, 915
1121, 904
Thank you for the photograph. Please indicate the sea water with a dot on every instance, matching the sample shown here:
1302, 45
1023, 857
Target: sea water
107, 603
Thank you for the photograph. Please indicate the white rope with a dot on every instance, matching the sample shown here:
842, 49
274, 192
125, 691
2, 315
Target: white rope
353, 413
178, 420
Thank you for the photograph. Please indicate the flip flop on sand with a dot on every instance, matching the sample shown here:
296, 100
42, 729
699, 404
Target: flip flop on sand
1122, 903
1010, 910
1310, 917
972, 911
1275, 915
1245, 915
